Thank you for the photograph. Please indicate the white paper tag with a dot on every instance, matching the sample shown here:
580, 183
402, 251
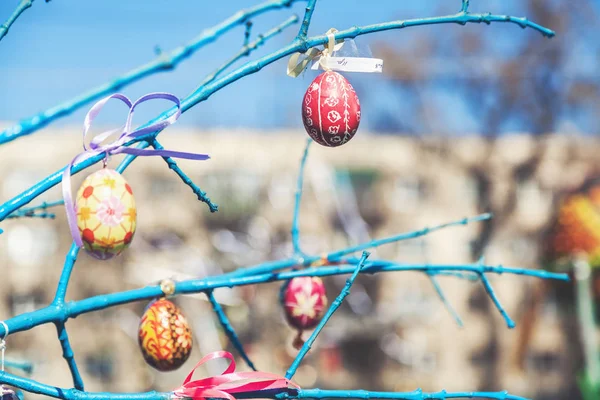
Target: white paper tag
351, 64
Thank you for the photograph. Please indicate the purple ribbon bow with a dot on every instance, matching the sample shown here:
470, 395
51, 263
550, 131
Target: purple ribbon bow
116, 147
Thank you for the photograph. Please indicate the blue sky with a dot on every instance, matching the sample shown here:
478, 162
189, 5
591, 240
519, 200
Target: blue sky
60, 49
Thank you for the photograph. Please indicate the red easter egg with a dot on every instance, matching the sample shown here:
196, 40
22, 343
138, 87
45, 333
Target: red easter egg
330, 110
304, 302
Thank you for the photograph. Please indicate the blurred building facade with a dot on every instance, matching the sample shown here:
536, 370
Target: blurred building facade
393, 333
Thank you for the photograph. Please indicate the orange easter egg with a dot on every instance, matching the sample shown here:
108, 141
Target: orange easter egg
164, 336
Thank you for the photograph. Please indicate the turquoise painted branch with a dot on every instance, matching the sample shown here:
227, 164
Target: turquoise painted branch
442, 296
57, 312
25, 366
414, 395
164, 62
298, 198
202, 196
68, 355
73, 394
147, 139
60, 311
228, 329
310, 9
42, 215
21, 7
32, 212
334, 256
465, 6
404, 236
248, 48
245, 51
255, 66
332, 309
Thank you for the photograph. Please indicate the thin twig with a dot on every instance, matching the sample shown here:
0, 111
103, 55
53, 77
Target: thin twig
465, 6
63, 337
22, 6
164, 62
442, 296
332, 309
295, 230
186, 179
228, 328
255, 66
308, 13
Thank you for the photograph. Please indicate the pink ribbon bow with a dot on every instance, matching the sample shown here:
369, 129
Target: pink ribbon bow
222, 386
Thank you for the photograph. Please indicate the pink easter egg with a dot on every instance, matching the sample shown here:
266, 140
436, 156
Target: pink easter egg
304, 301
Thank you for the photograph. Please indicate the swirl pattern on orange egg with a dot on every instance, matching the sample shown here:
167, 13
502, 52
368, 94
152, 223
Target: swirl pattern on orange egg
164, 336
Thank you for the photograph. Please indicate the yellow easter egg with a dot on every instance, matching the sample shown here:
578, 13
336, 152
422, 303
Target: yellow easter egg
106, 214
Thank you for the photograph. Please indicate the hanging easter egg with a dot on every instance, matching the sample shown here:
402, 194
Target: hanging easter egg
164, 336
304, 302
106, 214
331, 110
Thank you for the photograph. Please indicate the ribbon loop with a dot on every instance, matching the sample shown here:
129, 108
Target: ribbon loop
229, 382
93, 113
324, 59
96, 145
298, 62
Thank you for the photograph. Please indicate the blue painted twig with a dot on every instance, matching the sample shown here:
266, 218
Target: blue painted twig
298, 198
465, 6
410, 235
44, 215
248, 48
415, 395
186, 179
255, 66
22, 6
337, 255
442, 296
461, 275
228, 328
152, 138
65, 276
490, 291
58, 313
332, 309
73, 394
63, 337
310, 9
164, 62
32, 212
25, 366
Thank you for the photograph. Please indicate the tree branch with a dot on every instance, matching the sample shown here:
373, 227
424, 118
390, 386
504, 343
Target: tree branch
255, 66
164, 62
310, 8
21, 7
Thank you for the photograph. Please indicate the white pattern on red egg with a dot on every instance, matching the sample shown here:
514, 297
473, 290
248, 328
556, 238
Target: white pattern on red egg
331, 110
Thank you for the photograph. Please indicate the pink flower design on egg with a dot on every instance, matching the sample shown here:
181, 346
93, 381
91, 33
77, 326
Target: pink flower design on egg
110, 211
